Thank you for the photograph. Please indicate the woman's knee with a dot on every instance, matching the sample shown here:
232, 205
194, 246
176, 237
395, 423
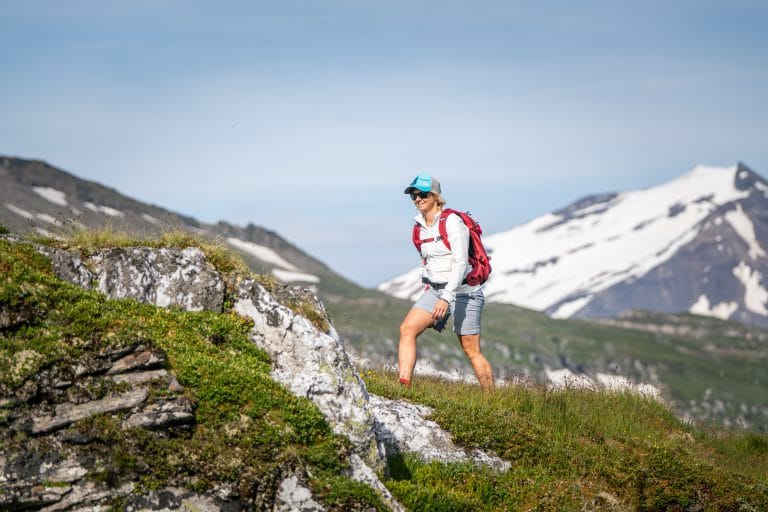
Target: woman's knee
471, 345
415, 323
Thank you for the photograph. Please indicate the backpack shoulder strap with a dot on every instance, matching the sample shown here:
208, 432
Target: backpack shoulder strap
417, 236
441, 226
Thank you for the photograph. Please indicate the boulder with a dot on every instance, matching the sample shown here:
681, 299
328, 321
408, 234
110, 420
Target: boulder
164, 277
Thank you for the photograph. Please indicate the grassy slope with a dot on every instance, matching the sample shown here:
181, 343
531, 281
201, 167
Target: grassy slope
722, 359
576, 450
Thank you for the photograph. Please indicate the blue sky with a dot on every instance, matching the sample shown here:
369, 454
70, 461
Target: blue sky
310, 117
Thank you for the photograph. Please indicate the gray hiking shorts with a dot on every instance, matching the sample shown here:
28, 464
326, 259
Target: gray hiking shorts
467, 310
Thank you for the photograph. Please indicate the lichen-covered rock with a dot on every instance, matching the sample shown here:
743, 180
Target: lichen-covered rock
50, 466
311, 364
403, 427
314, 364
164, 277
174, 499
293, 496
68, 266
67, 413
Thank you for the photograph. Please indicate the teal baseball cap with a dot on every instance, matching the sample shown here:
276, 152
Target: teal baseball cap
425, 183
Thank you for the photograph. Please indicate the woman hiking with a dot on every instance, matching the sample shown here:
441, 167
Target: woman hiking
445, 291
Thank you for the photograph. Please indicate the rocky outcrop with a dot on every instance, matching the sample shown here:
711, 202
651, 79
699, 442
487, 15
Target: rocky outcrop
50, 470
311, 364
164, 277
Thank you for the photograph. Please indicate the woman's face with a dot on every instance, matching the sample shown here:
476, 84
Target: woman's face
424, 201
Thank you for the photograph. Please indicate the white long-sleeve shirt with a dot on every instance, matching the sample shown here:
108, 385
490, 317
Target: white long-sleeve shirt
441, 265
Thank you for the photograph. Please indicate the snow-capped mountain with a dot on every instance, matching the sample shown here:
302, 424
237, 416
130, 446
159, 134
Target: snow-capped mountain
697, 244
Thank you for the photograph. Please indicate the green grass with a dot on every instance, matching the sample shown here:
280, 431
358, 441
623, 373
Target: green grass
573, 450
248, 430
727, 364
91, 240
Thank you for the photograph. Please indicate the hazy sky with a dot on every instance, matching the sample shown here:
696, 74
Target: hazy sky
310, 117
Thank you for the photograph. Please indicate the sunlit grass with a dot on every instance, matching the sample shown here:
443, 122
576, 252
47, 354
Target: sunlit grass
573, 449
90, 240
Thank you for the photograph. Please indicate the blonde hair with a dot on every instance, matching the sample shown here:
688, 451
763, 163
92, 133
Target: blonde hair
440, 201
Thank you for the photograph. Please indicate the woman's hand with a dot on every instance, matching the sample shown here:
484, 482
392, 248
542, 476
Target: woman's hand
441, 308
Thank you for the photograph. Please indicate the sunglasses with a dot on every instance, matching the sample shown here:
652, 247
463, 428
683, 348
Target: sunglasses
420, 195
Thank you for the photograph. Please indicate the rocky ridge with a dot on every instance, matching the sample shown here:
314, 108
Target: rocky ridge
308, 362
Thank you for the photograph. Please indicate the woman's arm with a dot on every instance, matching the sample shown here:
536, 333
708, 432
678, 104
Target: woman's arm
458, 237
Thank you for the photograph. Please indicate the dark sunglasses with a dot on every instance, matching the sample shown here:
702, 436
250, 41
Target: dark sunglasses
420, 195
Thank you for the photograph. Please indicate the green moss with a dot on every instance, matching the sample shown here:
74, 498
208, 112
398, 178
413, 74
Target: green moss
310, 312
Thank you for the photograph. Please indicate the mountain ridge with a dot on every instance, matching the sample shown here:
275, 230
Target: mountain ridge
40, 198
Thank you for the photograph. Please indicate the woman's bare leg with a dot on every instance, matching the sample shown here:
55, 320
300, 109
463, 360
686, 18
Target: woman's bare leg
415, 322
471, 345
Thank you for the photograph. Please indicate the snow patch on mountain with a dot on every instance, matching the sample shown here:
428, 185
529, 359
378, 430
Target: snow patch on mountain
746, 230
570, 307
288, 276
49, 219
51, 194
147, 217
723, 310
265, 254
755, 296
20, 212
106, 210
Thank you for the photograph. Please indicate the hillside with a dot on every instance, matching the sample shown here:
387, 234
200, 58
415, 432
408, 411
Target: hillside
118, 404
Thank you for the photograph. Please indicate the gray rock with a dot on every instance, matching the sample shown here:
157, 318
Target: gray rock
144, 360
403, 427
175, 499
68, 266
294, 496
66, 413
165, 413
139, 378
89, 496
311, 364
164, 277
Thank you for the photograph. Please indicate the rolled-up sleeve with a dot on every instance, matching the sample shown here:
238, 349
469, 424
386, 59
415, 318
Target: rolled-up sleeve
458, 237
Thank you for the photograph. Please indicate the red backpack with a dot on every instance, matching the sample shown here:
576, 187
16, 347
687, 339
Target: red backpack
478, 258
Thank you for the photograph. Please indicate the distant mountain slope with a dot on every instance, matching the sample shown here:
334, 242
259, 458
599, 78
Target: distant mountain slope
695, 244
37, 197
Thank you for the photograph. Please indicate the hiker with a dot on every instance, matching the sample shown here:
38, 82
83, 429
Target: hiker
445, 291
